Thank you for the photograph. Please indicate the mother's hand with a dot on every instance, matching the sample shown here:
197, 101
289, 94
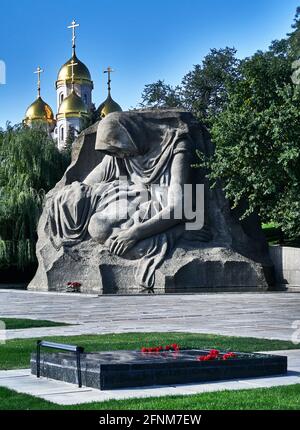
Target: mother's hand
123, 241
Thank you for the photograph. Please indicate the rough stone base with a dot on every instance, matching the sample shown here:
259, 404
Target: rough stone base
185, 271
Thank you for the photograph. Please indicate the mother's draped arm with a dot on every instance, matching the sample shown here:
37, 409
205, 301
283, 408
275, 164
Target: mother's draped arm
163, 220
180, 175
106, 171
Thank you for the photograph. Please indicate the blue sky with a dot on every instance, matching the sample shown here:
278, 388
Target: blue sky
143, 40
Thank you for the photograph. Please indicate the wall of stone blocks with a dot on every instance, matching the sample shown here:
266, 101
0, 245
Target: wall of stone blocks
286, 260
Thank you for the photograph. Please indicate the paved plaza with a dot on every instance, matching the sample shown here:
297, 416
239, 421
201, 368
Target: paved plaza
263, 315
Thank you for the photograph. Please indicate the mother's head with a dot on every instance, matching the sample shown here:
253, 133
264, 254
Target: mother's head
114, 138
126, 134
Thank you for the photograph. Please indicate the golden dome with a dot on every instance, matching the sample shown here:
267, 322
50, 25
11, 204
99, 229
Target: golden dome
72, 106
81, 72
108, 106
39, 111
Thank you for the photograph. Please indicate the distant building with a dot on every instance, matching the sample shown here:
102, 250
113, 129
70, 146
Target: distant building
109, 105
39, 111
74, 87
2, 73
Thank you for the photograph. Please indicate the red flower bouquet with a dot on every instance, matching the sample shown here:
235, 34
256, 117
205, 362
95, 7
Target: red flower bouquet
74, 287
214, 354
174, 347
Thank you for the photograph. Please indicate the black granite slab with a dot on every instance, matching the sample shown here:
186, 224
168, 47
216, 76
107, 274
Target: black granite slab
123, 369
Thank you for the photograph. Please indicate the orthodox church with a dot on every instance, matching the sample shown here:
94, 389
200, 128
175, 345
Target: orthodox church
74, 87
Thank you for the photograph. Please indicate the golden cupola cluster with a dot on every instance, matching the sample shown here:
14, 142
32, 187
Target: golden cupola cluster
74, 88
81, 72
39, 111
72, 106
109, 105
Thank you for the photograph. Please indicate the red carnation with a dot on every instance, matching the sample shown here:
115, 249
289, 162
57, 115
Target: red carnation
144, 349
201, 358
175, 346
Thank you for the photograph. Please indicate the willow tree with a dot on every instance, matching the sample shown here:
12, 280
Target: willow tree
30, 165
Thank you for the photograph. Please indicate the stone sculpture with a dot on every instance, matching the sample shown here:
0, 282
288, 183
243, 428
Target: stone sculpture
133, 215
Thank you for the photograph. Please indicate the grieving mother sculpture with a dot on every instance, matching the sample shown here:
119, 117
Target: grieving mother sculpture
132, 214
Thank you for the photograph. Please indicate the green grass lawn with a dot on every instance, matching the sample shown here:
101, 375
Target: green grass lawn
16, 354
286, 397
18, 323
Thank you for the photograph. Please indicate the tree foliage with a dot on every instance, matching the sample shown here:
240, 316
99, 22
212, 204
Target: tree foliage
257, 137
161, 95
92, 117
258, 156
252, 109
30, 165
202, 90
70, 140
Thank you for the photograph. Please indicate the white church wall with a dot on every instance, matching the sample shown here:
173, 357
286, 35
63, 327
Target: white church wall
63, 129
82, 90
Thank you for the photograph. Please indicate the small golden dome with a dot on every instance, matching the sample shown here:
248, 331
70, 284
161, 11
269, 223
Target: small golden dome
81, 72
39, 111
108, 106
72, 106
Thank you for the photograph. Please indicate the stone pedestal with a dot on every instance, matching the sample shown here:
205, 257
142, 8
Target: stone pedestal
124, 369
185, 271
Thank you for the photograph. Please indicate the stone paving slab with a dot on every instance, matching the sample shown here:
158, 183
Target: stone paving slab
262, 315
68, 394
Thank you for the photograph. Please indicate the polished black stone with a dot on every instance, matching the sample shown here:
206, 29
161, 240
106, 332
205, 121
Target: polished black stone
122, 369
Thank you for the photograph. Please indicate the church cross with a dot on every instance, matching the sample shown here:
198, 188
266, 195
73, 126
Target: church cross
73, 27
38, 71
109, 70
72, 65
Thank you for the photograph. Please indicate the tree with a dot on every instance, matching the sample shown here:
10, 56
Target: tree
261, 76
204, 89
293, 39
161, 95
257, 137
92, 117
30, 165
70, 140
252, 109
